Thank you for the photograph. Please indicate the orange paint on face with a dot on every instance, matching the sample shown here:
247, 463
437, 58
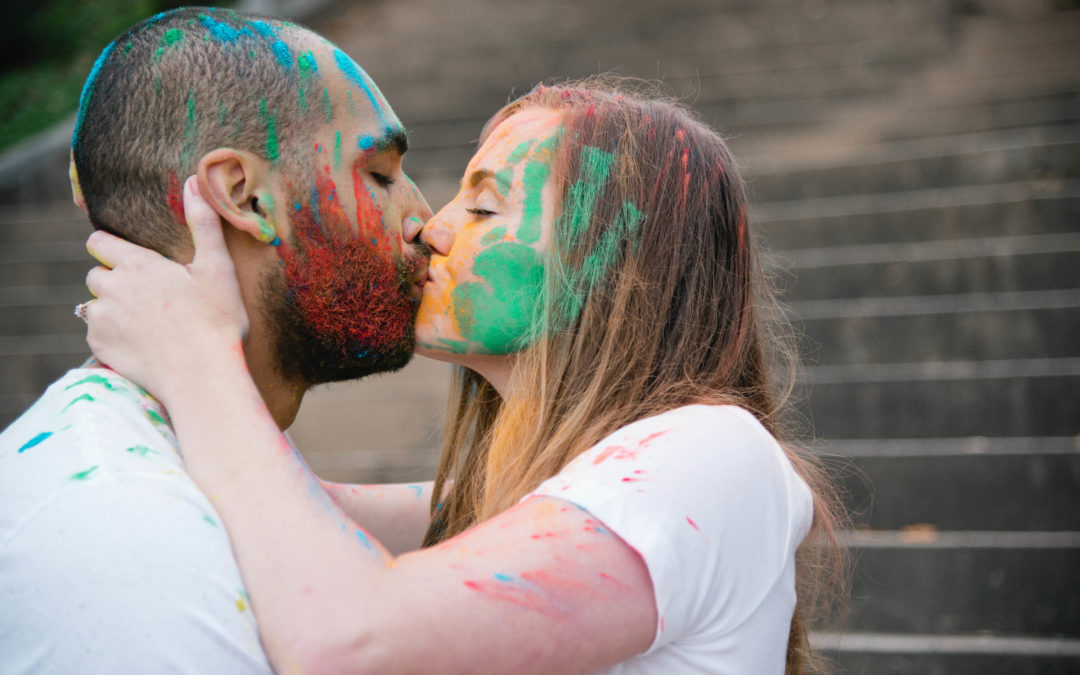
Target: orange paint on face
476, 300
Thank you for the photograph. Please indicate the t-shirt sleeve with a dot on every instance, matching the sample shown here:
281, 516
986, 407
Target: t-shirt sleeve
708, 499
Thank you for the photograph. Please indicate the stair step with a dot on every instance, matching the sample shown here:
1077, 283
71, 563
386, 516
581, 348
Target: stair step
1024, 263
1028, 397
968, 159
1028, 490
992, 335
900, 654
1005, 210
1018, 583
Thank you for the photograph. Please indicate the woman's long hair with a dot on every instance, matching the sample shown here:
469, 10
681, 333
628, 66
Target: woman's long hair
653, 299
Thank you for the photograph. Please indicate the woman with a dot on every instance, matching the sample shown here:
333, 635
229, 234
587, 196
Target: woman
611, 493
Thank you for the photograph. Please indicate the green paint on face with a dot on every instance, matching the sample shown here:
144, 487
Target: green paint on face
581, 198
352, 104
532, 208
191, 131
499, 312
83, 475
493, 236
504, 179
455, 346
337, 150
271, 131
141, 450
84, 397
327, 107
519, 152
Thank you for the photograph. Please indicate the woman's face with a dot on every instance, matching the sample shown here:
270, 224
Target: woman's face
487, 263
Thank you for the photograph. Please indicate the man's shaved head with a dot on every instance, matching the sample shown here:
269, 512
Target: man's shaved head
172, 88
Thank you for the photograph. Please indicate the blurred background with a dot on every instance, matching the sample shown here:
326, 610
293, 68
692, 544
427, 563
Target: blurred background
915, 174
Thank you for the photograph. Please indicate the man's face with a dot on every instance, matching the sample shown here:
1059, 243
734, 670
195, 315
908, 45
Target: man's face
343, 299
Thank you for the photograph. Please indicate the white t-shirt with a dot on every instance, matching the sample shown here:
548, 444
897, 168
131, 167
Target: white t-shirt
111, 559
708, 499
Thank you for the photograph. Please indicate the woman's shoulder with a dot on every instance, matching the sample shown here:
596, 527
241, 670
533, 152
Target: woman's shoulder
697, 424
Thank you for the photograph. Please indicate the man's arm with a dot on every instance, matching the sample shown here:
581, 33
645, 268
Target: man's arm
397, 514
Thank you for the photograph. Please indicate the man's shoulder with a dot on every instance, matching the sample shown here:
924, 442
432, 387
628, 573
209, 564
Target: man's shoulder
87, 406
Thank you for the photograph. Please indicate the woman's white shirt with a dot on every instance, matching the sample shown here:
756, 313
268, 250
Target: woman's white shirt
709, 500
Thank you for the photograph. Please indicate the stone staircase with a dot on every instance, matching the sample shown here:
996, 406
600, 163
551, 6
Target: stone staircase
916, 175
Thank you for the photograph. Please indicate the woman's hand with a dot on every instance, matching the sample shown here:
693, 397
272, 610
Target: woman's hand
156, 321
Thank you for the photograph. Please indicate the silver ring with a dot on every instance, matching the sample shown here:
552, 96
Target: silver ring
80, 310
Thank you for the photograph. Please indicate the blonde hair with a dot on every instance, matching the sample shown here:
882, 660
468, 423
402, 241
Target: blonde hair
653, 299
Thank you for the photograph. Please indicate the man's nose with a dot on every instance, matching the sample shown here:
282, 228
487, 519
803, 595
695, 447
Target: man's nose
417, 213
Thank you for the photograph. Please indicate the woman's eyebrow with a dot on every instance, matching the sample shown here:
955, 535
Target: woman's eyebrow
479, 176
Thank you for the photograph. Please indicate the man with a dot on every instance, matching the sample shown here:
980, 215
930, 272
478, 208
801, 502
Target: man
111, 560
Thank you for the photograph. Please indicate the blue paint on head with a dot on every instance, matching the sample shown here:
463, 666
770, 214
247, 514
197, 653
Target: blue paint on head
280, 49
356, 75
35, 440
220, 31
366, 142
88, 90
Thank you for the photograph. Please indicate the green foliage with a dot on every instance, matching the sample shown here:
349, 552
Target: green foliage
48, 48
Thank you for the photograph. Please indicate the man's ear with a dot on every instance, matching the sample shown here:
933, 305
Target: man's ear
234, 183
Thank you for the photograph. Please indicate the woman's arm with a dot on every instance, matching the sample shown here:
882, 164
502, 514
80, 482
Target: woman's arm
542, 587
397, 514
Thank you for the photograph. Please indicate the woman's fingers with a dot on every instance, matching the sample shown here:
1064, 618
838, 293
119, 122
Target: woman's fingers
205, 228
110, 250
95, 279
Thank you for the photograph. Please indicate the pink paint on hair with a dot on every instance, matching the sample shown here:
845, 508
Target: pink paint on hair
175, 198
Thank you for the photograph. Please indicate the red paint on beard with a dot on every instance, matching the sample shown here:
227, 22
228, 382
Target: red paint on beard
175, 198
348, 291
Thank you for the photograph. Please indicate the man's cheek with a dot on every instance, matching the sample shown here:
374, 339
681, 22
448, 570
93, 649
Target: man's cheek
370, 219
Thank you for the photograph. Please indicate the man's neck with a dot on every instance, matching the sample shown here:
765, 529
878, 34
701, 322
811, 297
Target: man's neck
282, 397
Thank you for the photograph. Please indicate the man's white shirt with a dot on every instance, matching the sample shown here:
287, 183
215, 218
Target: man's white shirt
111, 559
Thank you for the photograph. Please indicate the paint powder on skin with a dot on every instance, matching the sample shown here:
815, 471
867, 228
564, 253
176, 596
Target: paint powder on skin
271, 131
222, 32
281, 50
191, 132
346, 287
328, 107
88, 90
499, 312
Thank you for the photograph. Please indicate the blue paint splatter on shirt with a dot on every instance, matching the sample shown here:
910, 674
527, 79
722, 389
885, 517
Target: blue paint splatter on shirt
35, 440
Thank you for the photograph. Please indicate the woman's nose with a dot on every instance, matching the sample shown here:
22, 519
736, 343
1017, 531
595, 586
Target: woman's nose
438, 235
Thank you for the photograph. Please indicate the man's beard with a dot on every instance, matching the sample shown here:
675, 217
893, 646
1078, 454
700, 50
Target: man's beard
338, 306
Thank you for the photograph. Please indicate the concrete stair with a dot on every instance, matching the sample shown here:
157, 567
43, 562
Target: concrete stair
916, 178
